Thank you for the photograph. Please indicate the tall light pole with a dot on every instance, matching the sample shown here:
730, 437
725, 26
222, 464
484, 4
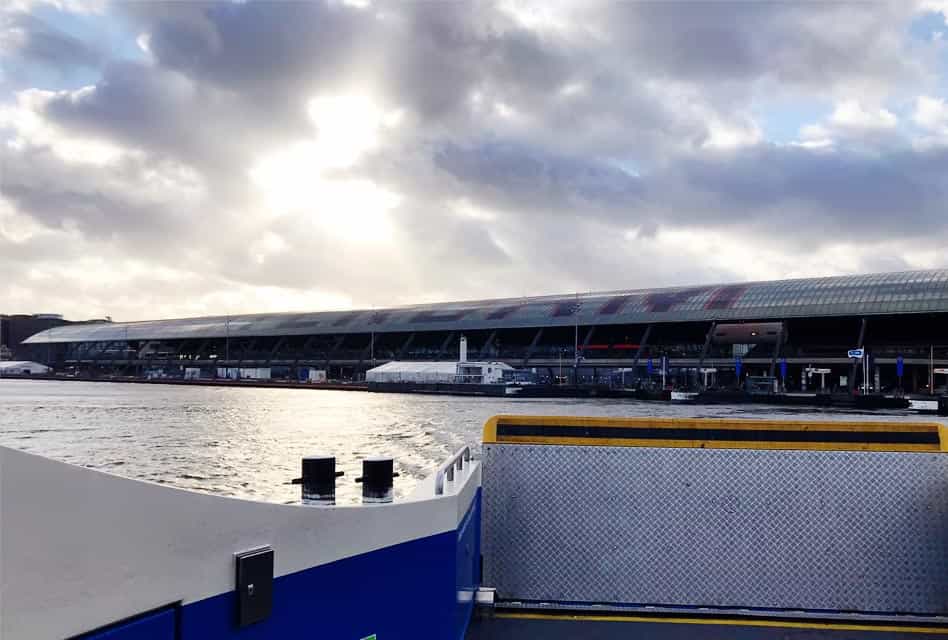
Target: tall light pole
227, 346
576, 341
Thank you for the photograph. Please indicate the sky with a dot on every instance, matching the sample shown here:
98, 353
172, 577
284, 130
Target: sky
166, 159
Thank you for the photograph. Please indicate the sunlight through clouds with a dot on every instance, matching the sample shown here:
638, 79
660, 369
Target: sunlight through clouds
301, 178
351, 152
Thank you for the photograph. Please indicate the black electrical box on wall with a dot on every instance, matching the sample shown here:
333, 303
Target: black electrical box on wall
254, 585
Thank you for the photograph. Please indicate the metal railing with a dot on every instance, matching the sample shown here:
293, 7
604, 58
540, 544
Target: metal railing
461, 456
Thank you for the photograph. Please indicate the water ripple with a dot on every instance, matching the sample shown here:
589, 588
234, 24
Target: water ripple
248, 442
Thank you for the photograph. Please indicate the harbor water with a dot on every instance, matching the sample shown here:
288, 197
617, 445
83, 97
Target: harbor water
247, 442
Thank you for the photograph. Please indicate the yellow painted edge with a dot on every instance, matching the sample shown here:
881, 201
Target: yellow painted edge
734, 622
490, 429
745, 424
712, 444
942, 436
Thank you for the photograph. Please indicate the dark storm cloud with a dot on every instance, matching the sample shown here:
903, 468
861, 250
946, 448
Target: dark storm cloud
818, 197
258, 48
101, 203
168, 114
132, 102
796, 192
513, 178
812, 45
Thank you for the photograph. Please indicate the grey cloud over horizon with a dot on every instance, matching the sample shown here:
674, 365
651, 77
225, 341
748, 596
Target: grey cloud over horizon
494, 152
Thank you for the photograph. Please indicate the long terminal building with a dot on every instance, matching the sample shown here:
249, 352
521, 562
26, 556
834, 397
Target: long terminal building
810, 324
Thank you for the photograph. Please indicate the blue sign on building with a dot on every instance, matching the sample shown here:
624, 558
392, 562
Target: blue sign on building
648, 367
738, 364
783, 368
899, 366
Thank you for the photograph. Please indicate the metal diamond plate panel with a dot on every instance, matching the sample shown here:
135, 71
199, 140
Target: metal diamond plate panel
835, 530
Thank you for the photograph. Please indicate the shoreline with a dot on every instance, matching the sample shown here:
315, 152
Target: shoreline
258, 384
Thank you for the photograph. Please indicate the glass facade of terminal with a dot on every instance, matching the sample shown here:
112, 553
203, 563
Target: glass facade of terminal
862, 295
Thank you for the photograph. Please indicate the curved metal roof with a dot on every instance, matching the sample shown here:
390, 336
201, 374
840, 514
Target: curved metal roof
881, 293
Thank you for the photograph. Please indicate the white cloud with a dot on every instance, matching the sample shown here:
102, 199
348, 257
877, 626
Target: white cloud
354, 210
348, 128
850, 114
931, 116
723, 135
144, 42
931, 113
816, 137
299, 179
72, 6
453, 150
15, 227
852, 124
933, 6
538, 16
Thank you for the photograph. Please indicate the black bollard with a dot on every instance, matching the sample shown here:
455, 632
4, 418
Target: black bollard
319, 480
377, 480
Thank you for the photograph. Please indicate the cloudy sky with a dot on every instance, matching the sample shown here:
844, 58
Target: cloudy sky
181, 158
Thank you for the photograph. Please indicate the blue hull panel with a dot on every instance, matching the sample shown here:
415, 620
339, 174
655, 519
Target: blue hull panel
405, 591
417, 590
468, 566
158, 625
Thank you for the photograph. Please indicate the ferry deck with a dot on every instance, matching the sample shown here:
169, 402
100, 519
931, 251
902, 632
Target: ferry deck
563, 527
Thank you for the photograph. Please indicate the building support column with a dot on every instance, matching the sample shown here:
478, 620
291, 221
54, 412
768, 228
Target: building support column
699, 380
853, 368
406, 345
589, 336
777, 348
368, 353
200, 350
533, 345
484, 352
276, 348
445, 343
638, 353
578, 357
301, 354
332, 351
243, 352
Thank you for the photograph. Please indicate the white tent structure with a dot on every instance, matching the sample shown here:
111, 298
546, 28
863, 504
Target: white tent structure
21, 367
425, 372
441, 372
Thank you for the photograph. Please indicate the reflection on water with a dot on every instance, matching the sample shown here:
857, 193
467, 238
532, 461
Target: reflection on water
248, 442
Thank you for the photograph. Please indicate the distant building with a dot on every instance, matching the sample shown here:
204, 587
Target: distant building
16, 328
788, 329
